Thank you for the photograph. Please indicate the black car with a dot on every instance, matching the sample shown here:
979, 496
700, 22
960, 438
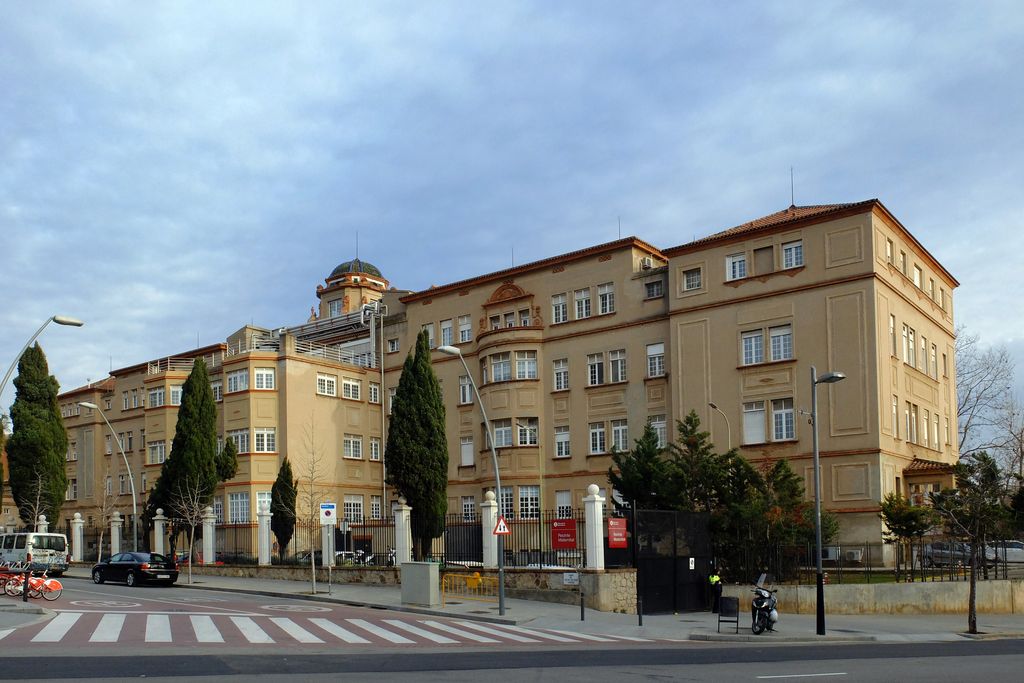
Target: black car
135, 568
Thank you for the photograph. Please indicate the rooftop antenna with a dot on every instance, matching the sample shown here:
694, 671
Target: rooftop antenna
513, 257
792, 192
357, 245
620, 227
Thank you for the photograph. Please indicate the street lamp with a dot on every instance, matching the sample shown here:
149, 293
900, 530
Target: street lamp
827, 378
60, 320
131, 477
727, 425
455, 351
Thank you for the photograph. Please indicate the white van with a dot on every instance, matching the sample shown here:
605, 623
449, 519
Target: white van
42, 551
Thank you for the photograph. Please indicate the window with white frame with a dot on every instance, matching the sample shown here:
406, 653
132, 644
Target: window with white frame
376, 507
931, 288
374, 396
157, 452
935, 362
526, 365
735, 266
218, 510
263, 497
72, 451
560, 368
888, 250
142, 481
595, 369
264, 378
429, 327
502, 433
753, 347
334, 308
240, 437
218, 391
692, 279
524, 318
781, 342
106, 404
793, 254
527, 431
617, 365
510, 320
353, 507
912, 348
753, 422
391, 398
109, 447
175, 395
893, 344
392, 345
446, 333
506, 502
656, 359
326, 385
375, 445
466, 455
597, 438
351, 388
265, 439
783, 424
468, 508
660, 428
563, 504
606, 298
135, 397
917, 276
620, 436
465, 329
238, 380
156, 397
903, 263
895, 416
922, 357
654, 289
465, 390
529, 502
238, 508
353, 446
108, 486
562, 442
582, 299
925, 426
72, 493
501, 367
124, 400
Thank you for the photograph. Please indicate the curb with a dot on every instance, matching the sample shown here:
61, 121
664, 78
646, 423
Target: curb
769, 639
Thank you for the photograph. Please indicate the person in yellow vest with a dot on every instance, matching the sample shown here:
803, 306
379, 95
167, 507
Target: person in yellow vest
716, 590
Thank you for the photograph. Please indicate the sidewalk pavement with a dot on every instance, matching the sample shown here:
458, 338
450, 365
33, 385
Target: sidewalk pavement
792, 628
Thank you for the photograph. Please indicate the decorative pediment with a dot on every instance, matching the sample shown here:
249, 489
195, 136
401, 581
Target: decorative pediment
506, 292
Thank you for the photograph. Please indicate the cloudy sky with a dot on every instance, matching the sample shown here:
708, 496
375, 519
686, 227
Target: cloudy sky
172, 171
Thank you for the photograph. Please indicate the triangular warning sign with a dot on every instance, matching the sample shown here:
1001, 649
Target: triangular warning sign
501, 528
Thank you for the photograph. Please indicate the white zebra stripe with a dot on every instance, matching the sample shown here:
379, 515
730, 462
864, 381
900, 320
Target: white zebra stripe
205, 630
585, 636
109, 629
448, 628
57, 628
539, 634
495, 632
295, 631
249, 629
158, 628
380, 632
416, 631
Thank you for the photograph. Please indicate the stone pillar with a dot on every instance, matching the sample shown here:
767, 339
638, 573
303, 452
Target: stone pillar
209, 536
263, 516
115, 533
159, 531
42, 526
488, 519
593, 506
77, 537
403, 533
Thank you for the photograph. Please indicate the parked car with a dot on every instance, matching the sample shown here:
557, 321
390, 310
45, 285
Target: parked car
946, 553
136, 568
1012, 551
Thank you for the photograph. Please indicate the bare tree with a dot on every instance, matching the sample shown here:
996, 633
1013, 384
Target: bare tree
36, 505
983, 380
105, 507
188, 505
1010, 438
311, 490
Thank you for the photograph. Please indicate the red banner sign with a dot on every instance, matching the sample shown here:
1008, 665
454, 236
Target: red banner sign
563, 534
617, 533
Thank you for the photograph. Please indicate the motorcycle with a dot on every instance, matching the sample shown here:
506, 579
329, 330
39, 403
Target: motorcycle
763, 608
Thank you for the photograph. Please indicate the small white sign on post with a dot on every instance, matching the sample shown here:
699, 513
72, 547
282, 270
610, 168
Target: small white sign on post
570, 579
693, 563
328, 513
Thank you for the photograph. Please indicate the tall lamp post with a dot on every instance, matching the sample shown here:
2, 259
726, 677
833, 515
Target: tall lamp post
131, 477
827, 378
455, 351
728, 426
60, 320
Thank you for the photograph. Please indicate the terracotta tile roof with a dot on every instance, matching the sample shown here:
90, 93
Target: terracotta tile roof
920, 466
789, 215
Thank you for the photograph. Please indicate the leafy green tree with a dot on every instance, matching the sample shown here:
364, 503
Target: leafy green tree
697, 472
641, 475
974, 510
192, 463
36, 449
904, 523
227, 461
282, 506
417, 447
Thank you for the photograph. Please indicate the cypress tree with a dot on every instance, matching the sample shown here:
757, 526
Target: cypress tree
192, 462
282, 506
227, 461
417, 447
38, 444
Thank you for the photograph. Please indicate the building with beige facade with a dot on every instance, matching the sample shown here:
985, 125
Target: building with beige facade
573, 355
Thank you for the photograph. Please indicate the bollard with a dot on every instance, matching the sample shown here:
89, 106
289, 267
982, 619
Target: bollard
640, 610
583, 616
24, 586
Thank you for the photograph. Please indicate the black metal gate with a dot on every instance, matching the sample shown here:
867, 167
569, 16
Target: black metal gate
673, 560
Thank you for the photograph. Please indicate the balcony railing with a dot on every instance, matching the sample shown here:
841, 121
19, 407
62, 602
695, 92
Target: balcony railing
361, 355
155, 367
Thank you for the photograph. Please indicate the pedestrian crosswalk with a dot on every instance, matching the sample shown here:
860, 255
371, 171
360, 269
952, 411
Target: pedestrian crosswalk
84, 628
